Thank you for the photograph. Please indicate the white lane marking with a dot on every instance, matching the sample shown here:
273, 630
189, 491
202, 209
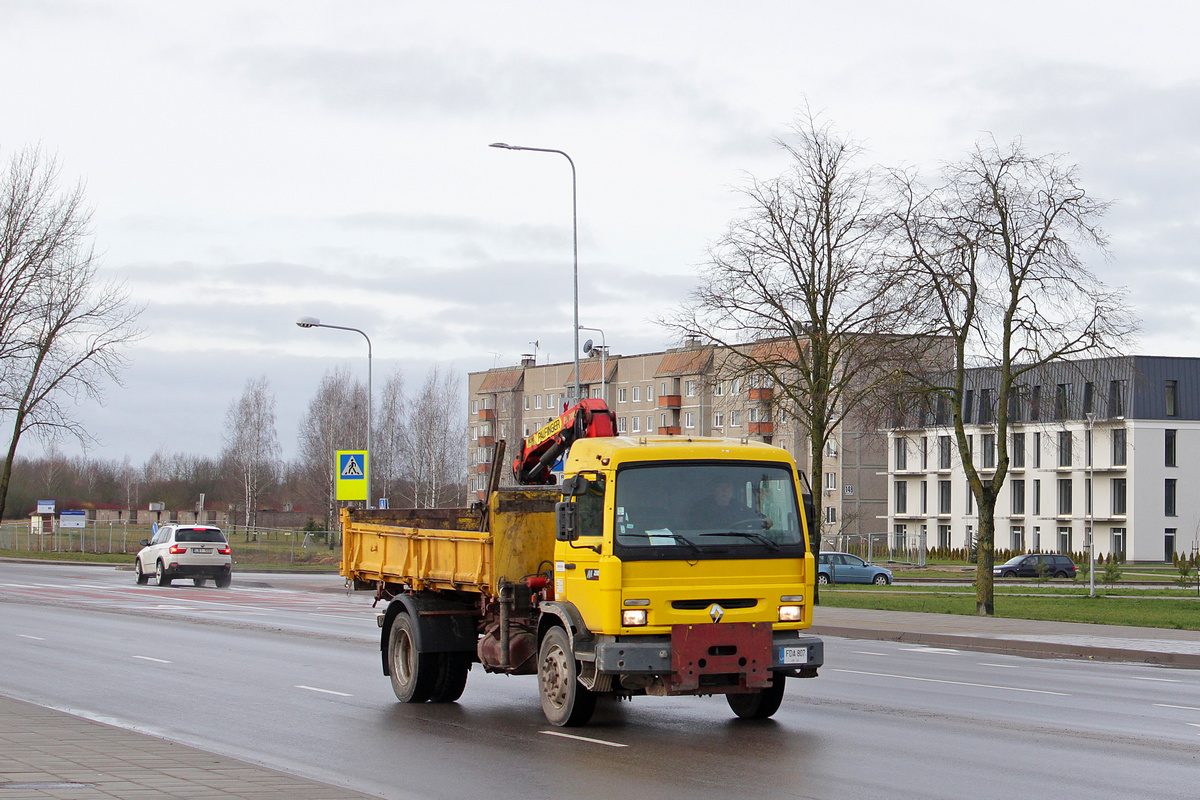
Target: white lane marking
583, 738
1001, 666
27, 636
928, 649
1160, 680
869, 653
1185, 708
155, 660
1193, 724
323, 691
951, 683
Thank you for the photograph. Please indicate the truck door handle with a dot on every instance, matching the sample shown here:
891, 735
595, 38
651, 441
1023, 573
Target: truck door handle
568, 566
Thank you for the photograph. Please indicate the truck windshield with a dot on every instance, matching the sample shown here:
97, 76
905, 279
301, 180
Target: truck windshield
706, 510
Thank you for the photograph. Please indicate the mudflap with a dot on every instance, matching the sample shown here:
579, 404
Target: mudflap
741, 649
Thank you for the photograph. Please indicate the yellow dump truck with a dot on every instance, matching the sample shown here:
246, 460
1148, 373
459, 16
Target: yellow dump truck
660, 565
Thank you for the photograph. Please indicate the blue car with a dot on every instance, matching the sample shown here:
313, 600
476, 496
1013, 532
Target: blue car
845, 568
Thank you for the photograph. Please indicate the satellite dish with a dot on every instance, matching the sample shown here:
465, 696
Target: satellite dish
587, 347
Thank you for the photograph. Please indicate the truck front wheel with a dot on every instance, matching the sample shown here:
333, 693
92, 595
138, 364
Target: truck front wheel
761, 704
414, 674
565, 701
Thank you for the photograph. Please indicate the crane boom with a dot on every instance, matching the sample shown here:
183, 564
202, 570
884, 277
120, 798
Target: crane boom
586, 419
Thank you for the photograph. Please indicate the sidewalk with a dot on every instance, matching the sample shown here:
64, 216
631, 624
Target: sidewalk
52, 754
1022, 637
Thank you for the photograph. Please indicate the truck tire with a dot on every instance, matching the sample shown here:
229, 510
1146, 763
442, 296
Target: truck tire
451, 677
565, 701
413, 673
761, 704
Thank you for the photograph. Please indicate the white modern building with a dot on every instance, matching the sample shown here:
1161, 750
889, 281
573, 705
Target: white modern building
1106, 445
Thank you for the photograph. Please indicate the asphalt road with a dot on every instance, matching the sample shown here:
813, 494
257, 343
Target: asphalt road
291, 679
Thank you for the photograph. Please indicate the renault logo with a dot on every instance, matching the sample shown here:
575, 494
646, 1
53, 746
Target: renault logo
716, 612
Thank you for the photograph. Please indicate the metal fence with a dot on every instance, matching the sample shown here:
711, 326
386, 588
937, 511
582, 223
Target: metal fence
897, 548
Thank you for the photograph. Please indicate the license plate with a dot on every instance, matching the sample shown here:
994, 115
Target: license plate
205, 550
793, 655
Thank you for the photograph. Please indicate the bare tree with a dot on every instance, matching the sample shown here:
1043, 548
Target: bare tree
996, 252
63, 332
802, 275
251, 443
335, 420
387, 460
435, 452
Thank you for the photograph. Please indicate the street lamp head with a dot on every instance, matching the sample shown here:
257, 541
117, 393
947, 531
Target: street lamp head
503, 145
308, 322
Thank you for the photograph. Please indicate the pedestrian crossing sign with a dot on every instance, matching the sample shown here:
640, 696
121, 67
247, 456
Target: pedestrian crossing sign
351, 474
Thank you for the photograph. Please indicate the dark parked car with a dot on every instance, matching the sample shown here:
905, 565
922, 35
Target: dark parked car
845, 568
1055, 566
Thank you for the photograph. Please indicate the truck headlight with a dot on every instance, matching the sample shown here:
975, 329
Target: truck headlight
791, 613
633, 617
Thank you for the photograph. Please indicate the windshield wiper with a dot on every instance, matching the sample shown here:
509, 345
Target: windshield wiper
748, 535
674, 536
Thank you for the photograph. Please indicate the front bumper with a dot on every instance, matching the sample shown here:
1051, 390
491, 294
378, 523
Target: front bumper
792, 653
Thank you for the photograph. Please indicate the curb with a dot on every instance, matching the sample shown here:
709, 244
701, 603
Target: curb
1016, 647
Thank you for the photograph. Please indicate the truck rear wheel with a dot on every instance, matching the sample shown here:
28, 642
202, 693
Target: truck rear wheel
414, 674
565, 701
761, 704
451, 677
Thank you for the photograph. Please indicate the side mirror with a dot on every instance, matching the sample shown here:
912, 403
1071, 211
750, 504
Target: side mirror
575, 486
566, 521
145, 542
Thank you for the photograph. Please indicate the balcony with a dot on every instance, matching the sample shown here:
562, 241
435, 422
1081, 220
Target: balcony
762, 428
487, 413
485, 441
483, 469
762, 395
670, 431
670, 401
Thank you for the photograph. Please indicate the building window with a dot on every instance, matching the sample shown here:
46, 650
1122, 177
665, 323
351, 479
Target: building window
968, 406
900, 537
1018, 497
718, 419
1117, 490
830, 514
1118, 542
689, 419
664, 421
735, 419
943, 497
1037, 498
551, 402
650, 423
637, 394
1169, 459
1169, 545
1035, 404
985, 406
1018, 450
1088, 400
1116, 398
650, 393
1062, 401
944, 536
537, 401
622, 395
620, 424
924, 497
719, 388
1037, 450
924, 452
1066, 443
689, 388
941, 414
901, 448
901, 497
830, 480
474, 406
1017, 538
637, 424
1064, 540
1064, 497
943, 452
752, 415
831, 448
987, 442
1172, 389
1169, 497
1118, 436
970, 499
527, 400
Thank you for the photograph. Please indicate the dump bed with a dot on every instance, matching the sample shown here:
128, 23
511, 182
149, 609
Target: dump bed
445, 548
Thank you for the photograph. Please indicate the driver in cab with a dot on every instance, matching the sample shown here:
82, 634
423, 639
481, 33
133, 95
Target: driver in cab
719, 509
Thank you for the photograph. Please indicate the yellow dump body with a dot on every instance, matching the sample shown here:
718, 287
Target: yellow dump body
444, 549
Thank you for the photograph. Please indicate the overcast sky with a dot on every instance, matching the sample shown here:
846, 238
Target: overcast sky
253, 162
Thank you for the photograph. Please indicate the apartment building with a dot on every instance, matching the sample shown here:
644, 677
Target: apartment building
686, 391
1110, 446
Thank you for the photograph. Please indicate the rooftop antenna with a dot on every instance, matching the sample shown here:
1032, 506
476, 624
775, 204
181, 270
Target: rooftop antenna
536, 343
495, 358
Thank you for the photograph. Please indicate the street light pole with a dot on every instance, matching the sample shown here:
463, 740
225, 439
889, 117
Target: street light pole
313, 322
603, 360
574, 237
1091, 514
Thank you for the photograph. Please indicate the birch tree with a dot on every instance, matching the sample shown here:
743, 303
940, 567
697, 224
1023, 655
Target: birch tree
63, 331
252, 444
335, 420
996, 250
387, 441
436, 442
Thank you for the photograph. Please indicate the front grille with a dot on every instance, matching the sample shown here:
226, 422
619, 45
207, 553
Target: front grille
727, 603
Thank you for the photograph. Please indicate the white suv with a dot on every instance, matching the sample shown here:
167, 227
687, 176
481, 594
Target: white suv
198, 552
